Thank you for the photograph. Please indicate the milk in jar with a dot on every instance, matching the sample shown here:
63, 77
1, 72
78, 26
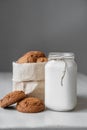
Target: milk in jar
61, 81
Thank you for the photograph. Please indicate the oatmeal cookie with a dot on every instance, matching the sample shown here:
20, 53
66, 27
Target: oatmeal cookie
12, 98
30, 57
30, 105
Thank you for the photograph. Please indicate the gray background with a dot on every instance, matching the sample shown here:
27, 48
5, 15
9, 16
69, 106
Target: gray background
47, 25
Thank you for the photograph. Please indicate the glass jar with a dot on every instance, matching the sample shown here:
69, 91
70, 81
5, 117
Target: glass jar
61, 81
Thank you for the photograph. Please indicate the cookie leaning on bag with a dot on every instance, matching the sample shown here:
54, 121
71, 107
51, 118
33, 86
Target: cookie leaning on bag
29, 69
12, 98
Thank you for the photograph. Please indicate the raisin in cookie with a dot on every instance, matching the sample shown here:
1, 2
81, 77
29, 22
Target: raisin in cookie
30, 105
42, 59
12, 98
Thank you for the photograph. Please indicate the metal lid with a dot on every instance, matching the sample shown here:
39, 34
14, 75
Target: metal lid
60, 55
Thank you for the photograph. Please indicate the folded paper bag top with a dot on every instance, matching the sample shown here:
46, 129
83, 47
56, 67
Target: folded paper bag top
28, 71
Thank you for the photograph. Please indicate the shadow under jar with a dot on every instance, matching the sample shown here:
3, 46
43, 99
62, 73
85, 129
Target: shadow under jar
61, 81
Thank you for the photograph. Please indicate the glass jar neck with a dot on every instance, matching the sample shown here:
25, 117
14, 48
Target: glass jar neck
60, 55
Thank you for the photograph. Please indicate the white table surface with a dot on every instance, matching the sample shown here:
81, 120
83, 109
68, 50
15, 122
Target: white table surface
12, 119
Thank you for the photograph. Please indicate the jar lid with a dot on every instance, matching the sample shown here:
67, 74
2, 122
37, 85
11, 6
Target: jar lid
61, 55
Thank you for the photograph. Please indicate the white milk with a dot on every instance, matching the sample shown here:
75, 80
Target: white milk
61, 82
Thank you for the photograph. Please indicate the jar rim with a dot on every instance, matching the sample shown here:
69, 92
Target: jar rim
61, 55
